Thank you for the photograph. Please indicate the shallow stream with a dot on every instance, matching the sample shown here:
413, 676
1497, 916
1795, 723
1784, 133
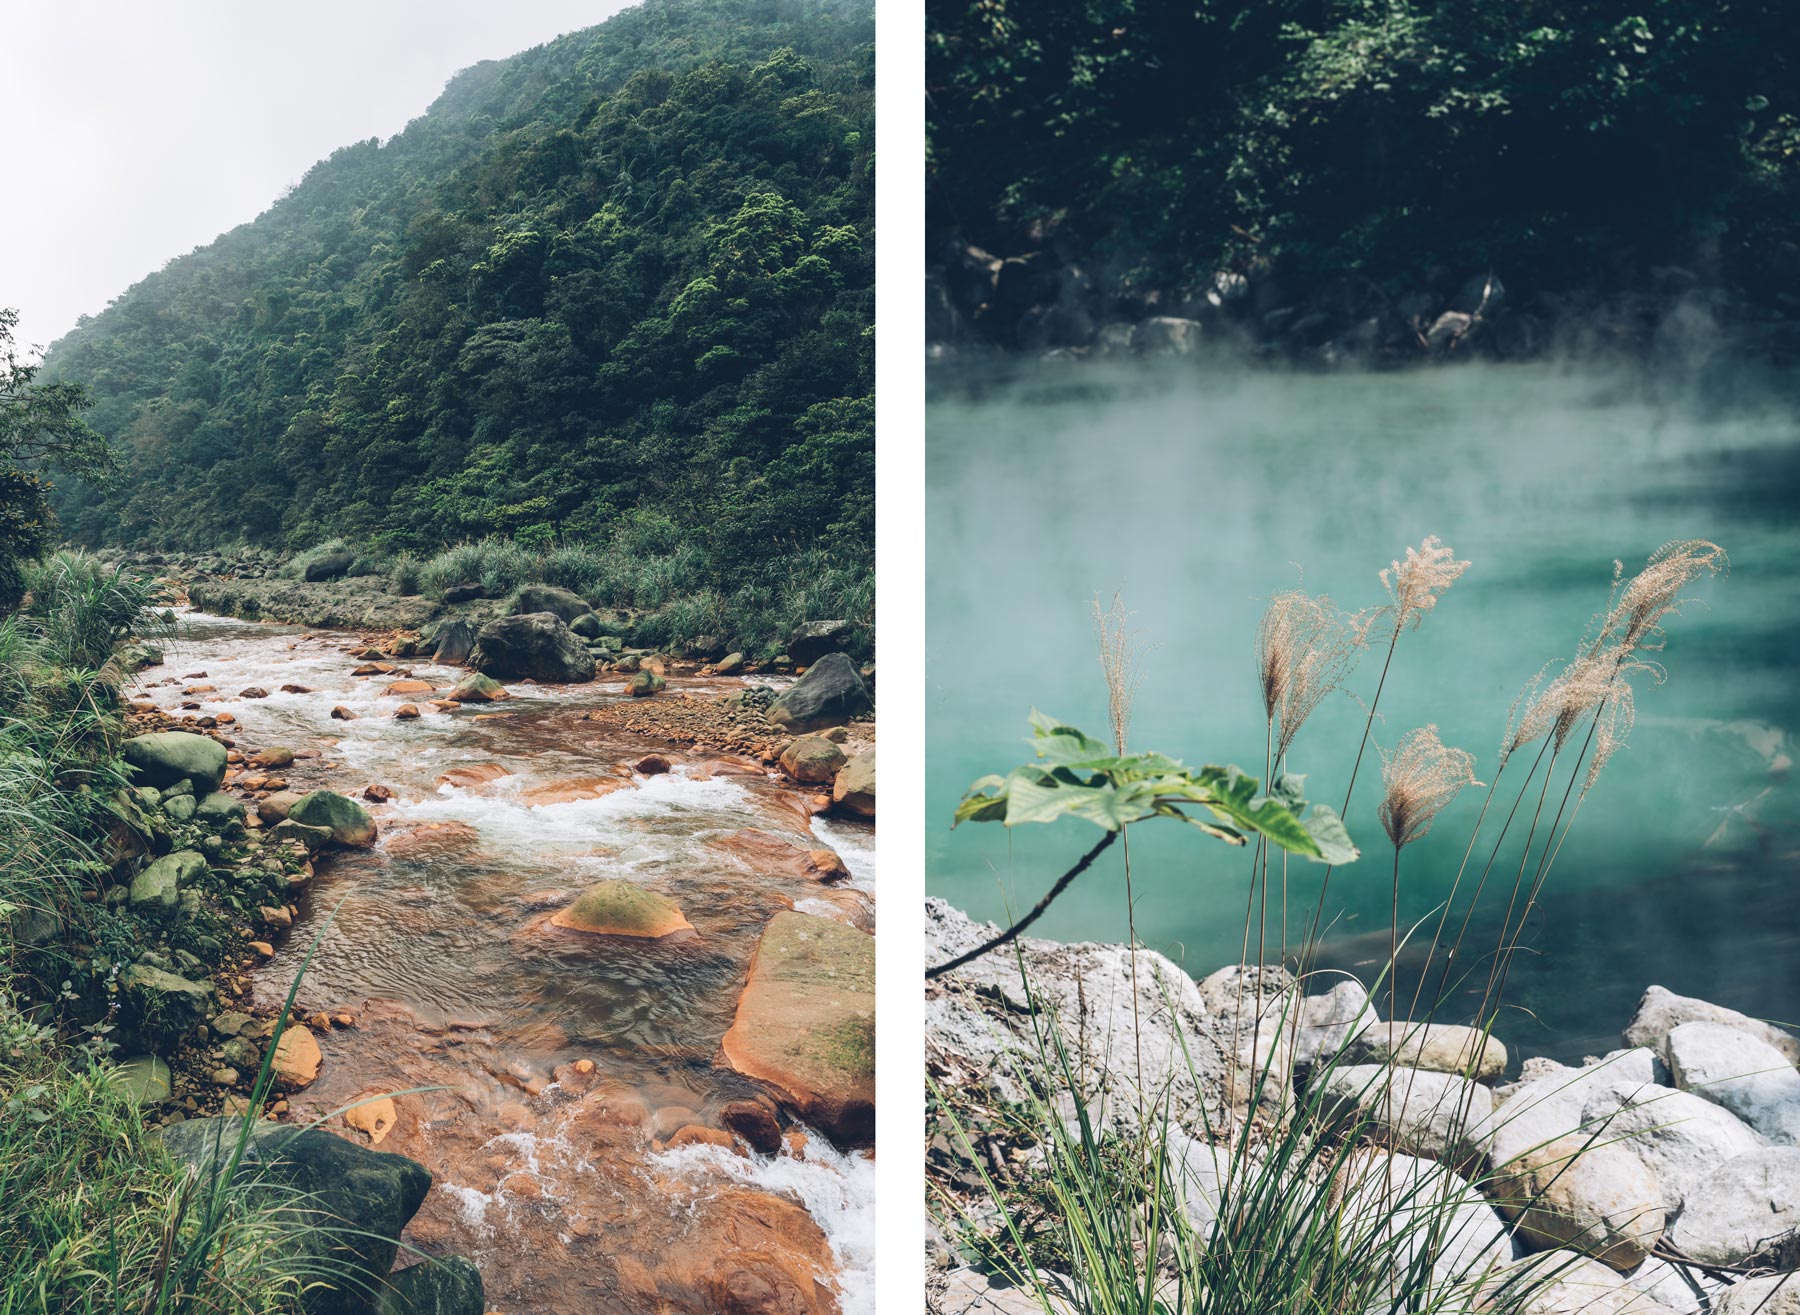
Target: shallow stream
437, 941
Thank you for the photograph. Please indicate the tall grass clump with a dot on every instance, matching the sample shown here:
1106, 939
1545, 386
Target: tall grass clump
1305, 1206
295, 566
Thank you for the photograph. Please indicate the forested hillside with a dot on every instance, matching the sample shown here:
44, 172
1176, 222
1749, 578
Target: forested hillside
1147, 147
618, 284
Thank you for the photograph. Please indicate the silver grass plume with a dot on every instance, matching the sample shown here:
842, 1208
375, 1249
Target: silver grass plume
1420, 777
1121, 661
1634, 620
1415, 583
1305, 648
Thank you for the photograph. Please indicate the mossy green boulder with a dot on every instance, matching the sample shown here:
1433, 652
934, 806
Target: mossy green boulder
161, 1007
167, 757
146, 1079
644, 684
477, 688
158, 887
348, 821
219, 810
806, 1023
622, 908
447, 1286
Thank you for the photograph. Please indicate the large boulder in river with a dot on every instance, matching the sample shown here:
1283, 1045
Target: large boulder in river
168, 757
548, 598
829, 694
342, 1207
1661, 1011
329, 567
534, 644
455, 641
853, 791
814, 639
622, 908
811, 760
806, 1023
348, 821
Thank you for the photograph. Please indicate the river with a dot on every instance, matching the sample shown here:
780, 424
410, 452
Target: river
436, 942
1202, 491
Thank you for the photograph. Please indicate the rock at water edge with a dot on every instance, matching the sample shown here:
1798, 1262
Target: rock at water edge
348, 821
829, 694
622, 908
536, 645
806, 1023
167, 757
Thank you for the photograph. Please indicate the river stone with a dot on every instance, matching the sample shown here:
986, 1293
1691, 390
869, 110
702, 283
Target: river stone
588, 625
1584, 1192
1661, 1011
1386, 1202
534, 644
297, 1056
815, 639
644, 684
853, 790
455, 641
1740, 1073
1563, 1283
166, 1006
312, 837
274, 808
179, 808
477, 688
1747, 1211
146, 1079
729, 665
450, 1286
1436, 1047
548, 598
352, 1202
806, 1023
1682, 1288
1329, 1022
1679, 1137
1436, 1116
157, 887
166, 757
967, 1291
811, 760
1771, 1294
829, 694
348, 821
329, 567
622, 908
219, 810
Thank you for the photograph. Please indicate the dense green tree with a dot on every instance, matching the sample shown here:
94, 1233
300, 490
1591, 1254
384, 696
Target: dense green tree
41, 428
623, 270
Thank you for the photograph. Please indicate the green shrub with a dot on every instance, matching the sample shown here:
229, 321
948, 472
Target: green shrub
404, 574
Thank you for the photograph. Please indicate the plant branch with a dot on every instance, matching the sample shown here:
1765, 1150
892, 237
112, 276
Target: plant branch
1037, 911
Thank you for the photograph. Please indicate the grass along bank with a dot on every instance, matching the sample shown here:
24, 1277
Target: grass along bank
125, 910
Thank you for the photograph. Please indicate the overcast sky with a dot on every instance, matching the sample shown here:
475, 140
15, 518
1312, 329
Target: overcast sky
135, 132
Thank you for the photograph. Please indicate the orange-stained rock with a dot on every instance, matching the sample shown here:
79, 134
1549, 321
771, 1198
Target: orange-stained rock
753, 1253
652, 764
774, 855
695, 1134
297, 1057
406, 712
825, 865
432, 840
622, 908
341, 713
563, 792
377, 793
806, 1023
410, 687
472, 774
373, 669
373, 1117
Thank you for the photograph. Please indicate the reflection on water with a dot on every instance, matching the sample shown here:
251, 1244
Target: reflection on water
1202, 494
438, 940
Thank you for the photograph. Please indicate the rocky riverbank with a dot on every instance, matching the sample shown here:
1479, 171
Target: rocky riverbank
1662, 1178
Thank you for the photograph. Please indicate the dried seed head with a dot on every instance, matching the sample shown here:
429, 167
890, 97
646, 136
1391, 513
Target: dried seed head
1121, 660
1421, 776
1612, 729
1305, 647
1414, 584
1634, 621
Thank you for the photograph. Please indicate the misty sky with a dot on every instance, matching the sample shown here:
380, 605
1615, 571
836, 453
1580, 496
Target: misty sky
136, 132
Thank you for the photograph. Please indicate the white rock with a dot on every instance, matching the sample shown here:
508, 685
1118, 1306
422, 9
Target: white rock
1679, 1137
1662, 1011
970, 1292
1329, 1022
1396, 1206
1200, 1172
1747, 1210
1682, 1288
1433, 1115
1564, 1283
1438, 1047
1577, 1191
1773, 1294
1735, 1070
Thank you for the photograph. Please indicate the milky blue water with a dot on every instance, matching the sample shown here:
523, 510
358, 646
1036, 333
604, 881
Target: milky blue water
1200, 493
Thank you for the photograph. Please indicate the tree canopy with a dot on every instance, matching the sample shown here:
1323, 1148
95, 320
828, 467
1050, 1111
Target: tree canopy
627, 272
